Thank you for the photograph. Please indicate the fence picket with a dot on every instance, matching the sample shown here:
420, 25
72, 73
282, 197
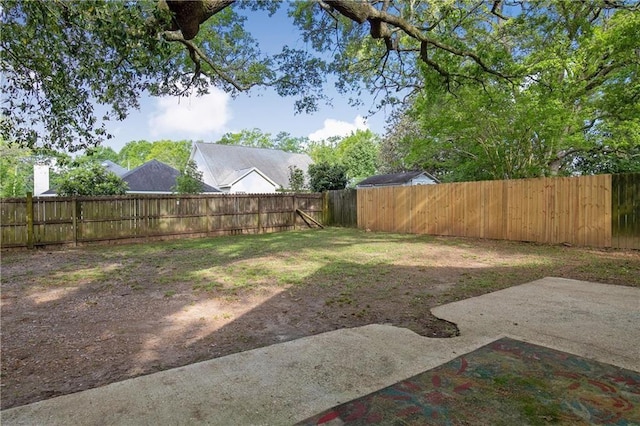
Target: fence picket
70, 220
599, 211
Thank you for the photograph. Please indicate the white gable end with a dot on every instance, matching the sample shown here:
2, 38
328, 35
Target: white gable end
252, 182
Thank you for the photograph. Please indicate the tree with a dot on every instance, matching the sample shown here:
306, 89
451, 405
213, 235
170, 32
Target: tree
190, 180
174, 153
286, 142
599, 161
258, 139
16, 170
90, 180
325, 151
403, 131
60, 58
296, 179
134, 154
580, 99
326, 177
358, 154
253, 137
102, 153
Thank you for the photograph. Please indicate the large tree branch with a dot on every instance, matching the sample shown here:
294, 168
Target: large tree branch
361, 11
188, 15
197, 55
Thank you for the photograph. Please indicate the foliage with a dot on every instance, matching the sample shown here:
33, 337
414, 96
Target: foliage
599, 161
286, 142
254, 138
326, 177
403, 131
134, 154
258, 139
325, 151
91, 179
190, 180
60, 57
16, 167
102, 153
577, 102
70, 66
358, 153
174, 153
16, 170
296, 179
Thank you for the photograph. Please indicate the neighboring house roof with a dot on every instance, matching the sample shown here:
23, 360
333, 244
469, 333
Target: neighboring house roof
155, 177
115, 168
226, 163
395, 179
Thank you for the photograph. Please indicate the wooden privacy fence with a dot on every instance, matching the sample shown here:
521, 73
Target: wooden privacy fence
69, 220
598, 211
340, 208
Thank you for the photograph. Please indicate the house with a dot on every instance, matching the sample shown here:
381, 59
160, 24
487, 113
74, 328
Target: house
114, 168
154, 177
243, 169
398, 179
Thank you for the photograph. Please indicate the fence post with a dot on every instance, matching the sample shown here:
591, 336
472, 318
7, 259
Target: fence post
30, 236
74, 208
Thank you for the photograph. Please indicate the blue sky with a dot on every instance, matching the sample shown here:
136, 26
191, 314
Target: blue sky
210, 116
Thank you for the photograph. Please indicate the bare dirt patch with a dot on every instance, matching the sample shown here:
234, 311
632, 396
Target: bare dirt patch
77, 318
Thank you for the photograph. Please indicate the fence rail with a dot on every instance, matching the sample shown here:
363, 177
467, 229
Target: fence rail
598, 211
41, 221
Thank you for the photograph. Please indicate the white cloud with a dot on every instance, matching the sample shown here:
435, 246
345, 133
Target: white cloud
194, 116
333, 127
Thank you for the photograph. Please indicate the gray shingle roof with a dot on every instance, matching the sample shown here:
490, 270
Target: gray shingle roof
393, 178
225, 161
115, 168
154, 176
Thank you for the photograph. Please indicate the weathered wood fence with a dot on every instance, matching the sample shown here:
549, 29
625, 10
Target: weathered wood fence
598, 211
340, 208
42, 221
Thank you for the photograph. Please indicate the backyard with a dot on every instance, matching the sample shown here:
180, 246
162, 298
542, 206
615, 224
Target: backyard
77, 318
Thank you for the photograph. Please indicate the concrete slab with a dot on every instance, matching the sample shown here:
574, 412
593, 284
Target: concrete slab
288, 382
596, 321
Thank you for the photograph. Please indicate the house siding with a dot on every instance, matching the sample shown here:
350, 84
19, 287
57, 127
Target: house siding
253, 182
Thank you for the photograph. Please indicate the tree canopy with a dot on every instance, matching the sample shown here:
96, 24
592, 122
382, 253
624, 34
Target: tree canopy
70, 66
326, 177
258, 139
578, 104
91, 179
135, 153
